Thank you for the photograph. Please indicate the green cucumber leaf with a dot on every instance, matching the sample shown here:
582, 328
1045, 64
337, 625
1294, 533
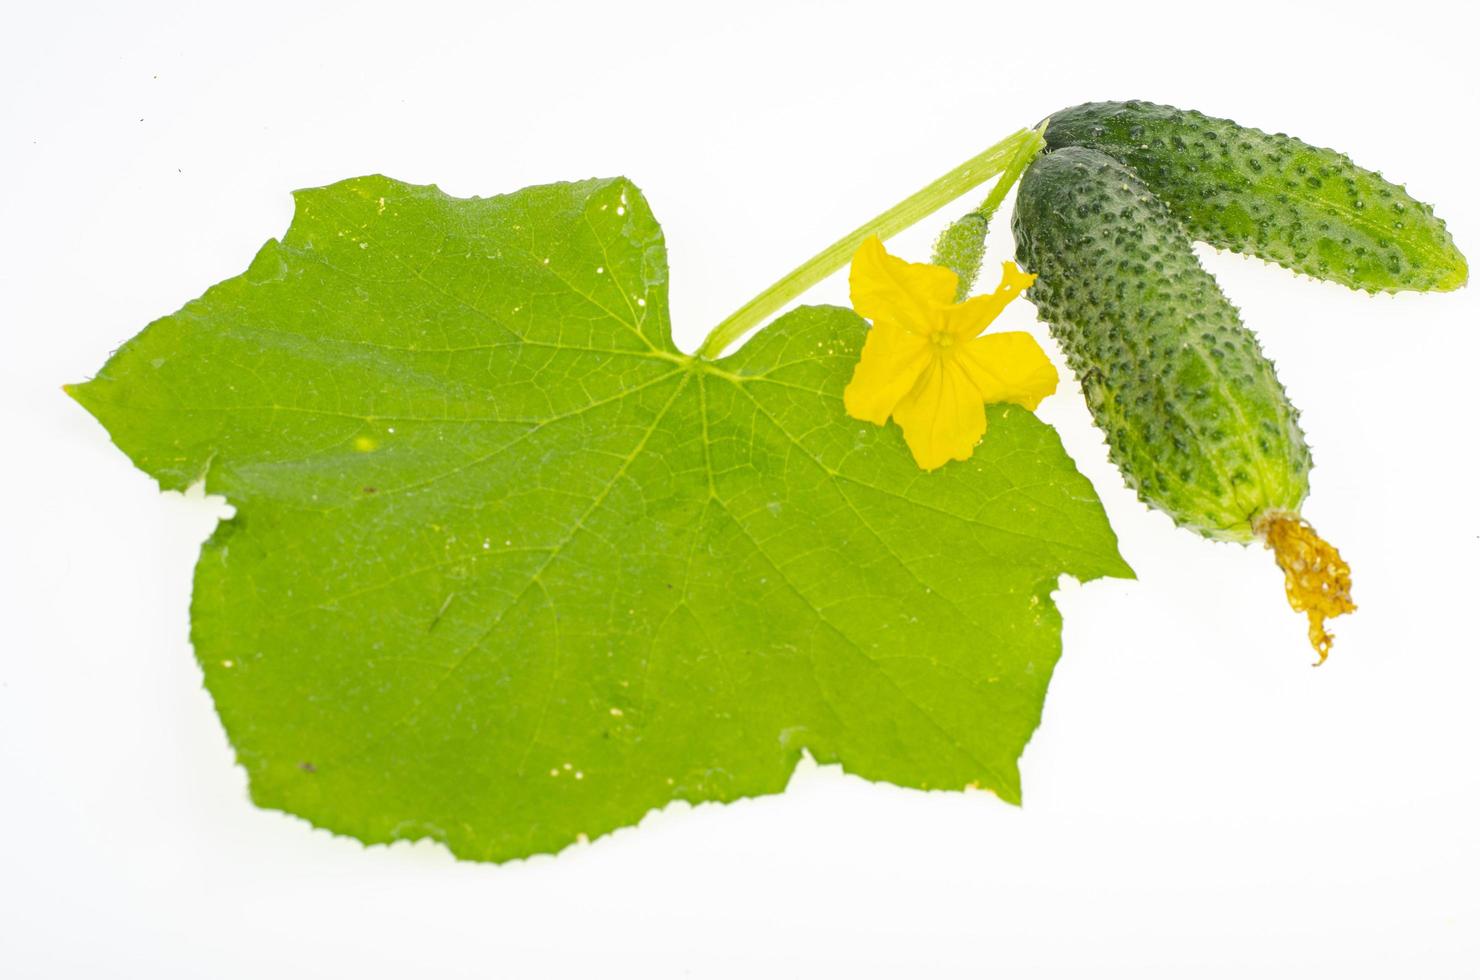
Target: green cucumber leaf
508, 570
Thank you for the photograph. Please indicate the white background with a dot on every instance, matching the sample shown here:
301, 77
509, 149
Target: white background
1199, 801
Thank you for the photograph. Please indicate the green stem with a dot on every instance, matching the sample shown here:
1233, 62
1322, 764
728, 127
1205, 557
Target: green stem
935, 195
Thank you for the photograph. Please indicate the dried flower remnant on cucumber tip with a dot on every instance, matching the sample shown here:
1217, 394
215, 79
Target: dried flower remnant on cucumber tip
1318, 581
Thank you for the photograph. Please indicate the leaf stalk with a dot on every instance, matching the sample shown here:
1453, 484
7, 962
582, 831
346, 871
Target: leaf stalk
930, 198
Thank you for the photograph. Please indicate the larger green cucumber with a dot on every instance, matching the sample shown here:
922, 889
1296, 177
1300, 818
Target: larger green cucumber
1191, 408
1309, 209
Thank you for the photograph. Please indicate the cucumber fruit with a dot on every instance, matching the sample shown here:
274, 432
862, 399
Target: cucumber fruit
1307, 208
1192, 411
1191, 408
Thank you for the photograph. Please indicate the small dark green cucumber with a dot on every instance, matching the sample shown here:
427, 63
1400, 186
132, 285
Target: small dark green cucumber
1191, 408
1309, 209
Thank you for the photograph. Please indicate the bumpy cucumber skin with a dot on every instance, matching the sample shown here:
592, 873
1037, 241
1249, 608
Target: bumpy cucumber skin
1191, 408
1309, 209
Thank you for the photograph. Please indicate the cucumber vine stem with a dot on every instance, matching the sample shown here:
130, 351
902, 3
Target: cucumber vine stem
933, 196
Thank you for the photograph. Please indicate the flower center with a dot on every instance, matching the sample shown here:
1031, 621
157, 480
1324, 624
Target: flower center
942, 339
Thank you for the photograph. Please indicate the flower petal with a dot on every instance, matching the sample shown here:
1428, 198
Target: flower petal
971, 317
942, 416
888, 367
1009, 367
909, 294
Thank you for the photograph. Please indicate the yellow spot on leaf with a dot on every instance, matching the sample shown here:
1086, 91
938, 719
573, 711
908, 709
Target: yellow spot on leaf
365, 444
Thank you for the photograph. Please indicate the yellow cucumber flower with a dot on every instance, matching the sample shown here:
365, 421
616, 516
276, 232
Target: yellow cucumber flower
924, 363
